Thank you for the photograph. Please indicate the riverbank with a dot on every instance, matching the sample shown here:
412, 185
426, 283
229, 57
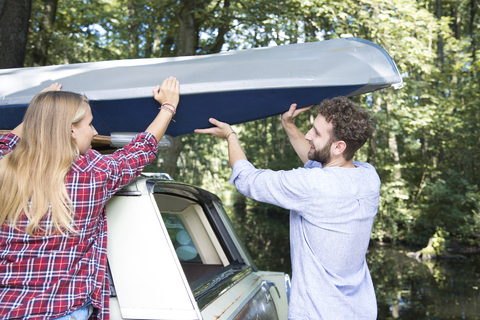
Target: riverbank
411, 289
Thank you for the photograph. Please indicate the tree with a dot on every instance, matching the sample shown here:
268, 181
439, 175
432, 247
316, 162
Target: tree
425, 144
14, 16
44, 32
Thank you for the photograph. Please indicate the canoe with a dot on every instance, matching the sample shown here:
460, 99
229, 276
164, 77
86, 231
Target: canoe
235, 86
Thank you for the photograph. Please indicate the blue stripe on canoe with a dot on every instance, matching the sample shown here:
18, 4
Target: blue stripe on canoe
194, 110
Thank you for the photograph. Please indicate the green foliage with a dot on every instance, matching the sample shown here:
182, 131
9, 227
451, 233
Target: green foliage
264, 230
426, 141
451, 205
204, 161
77, 35
439, 241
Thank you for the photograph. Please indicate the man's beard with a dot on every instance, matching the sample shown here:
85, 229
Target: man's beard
322, 155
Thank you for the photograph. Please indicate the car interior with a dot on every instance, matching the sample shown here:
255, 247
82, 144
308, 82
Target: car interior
195, 242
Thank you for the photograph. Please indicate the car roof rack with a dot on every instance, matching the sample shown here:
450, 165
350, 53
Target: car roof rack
157, 175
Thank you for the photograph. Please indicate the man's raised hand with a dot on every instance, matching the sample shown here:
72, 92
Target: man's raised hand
221, 129
292, 113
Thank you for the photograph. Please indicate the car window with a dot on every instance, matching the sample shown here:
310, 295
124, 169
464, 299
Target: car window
195, 242
181, 239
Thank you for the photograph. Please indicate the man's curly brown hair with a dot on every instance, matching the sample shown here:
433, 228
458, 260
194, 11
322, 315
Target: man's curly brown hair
350, 123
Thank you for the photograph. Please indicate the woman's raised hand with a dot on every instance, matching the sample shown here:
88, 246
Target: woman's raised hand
168, 92
54, 87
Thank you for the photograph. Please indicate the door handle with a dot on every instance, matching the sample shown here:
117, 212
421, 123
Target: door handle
268, 285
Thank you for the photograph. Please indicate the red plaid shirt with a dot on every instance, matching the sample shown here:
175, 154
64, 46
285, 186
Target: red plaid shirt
47, 277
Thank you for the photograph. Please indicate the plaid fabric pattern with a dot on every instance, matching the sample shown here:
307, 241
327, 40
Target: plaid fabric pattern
46, 277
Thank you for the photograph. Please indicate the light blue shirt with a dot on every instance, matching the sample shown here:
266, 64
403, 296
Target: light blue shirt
331, 218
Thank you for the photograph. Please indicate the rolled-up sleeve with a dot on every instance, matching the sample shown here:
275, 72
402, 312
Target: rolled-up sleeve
286, 189
121, 167
127, 163
8, 142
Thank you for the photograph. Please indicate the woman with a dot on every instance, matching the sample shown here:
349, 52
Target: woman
53, 191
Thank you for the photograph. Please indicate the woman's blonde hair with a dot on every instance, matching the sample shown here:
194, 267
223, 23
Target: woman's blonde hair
32, 177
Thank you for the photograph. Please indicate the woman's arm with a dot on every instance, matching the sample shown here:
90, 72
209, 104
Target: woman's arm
54, 87
168, 95
18, 130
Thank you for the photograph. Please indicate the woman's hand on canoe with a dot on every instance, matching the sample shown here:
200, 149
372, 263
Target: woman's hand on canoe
168, 92
54, 87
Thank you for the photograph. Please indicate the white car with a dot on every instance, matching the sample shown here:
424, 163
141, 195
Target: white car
173, 254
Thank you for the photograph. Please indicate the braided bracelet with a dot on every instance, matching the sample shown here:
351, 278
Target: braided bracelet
228, 134
169, 110
170, 104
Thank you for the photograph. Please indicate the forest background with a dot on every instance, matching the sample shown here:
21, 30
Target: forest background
426, 141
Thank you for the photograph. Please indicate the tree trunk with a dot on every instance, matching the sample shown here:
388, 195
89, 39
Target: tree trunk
372, 150
473, 9
457, 32
440, 55
14, 17
187, 30
187, 44
222, 29
393, 147
171, 157
220, 40
132, 30
310, 28
40, 52
458, 21
150, 42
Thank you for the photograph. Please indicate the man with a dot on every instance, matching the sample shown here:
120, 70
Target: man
333, 201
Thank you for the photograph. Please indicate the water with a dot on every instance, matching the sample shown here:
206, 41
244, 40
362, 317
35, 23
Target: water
408, 289
405, 288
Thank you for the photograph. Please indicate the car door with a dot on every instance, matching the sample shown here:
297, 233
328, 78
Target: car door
144, 268
174, 254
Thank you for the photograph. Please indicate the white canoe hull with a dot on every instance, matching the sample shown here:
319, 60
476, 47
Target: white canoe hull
234, 87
